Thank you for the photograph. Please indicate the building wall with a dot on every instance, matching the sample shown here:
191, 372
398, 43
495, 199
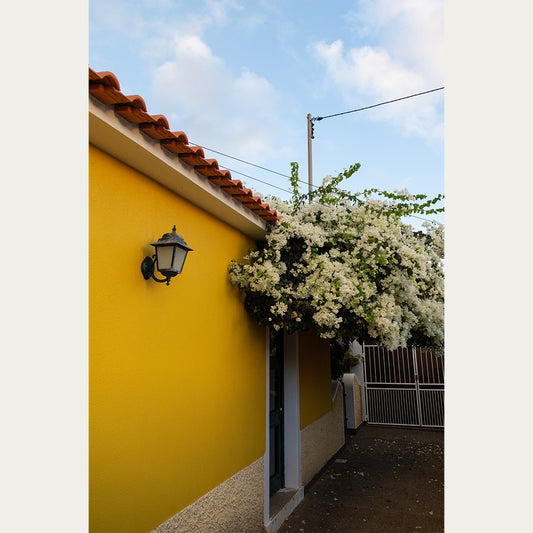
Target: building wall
358, 404
176, 373
322, 439
321, 416
235, 505
315, 377
353, 401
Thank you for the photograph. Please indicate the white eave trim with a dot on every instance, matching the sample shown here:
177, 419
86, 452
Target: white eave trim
124, 141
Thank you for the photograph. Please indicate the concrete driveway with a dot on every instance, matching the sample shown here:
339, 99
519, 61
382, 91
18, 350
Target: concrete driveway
385, 479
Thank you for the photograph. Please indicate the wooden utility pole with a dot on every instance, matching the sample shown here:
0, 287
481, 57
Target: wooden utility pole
310, 153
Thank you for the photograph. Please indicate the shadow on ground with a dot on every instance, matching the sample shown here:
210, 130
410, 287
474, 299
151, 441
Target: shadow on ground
385, 479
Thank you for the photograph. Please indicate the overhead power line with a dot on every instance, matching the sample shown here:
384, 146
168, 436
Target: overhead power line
422, 218
315, 118
241, 160
248, 163
285, 190
256, 179
273, 171
376, 105
311, 136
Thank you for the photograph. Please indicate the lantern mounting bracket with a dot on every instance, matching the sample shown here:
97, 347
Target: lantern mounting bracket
148, 269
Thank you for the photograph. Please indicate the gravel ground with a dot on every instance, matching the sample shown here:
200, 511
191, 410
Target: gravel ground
385, 479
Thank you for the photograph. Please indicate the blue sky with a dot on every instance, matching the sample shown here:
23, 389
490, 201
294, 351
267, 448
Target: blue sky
240, 78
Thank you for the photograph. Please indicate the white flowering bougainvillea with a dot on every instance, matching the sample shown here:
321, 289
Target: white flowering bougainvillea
347, 266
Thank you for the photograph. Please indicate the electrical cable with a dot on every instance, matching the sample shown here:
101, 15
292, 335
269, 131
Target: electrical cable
426, 219
256, 179
312, 119
290, 192
241, 160
285, 190
248, 163
376, 105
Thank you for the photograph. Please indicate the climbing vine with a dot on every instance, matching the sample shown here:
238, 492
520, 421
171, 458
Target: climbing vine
349, 267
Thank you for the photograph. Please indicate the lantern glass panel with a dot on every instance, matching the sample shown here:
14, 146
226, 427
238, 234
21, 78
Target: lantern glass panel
164, 257
179, 259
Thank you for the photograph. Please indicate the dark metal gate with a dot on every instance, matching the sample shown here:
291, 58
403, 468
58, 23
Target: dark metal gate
403, 387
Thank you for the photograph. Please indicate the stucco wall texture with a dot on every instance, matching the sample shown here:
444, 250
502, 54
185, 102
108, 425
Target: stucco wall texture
322, 439
234, 506
160, 435
315, 377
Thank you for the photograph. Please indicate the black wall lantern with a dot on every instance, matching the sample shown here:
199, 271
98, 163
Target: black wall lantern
170, 254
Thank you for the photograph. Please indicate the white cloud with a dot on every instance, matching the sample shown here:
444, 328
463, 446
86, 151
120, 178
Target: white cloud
148, 25
366, 69
232, 110
215, 107
406, 59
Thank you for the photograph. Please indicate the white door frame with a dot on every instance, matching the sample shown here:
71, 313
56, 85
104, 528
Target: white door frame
292, 434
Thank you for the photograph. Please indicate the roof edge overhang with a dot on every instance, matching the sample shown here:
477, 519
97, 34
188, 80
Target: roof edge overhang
124, 141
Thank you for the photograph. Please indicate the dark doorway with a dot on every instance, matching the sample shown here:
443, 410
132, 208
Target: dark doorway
276, 412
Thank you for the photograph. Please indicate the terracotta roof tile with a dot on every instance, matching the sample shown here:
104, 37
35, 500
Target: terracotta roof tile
105, 87
157, 128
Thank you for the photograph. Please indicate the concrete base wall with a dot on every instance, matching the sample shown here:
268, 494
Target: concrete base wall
353, 401
237, 505
322, 439
358, 403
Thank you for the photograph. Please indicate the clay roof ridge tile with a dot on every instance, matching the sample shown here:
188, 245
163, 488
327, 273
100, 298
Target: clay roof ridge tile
237, 183
106, 87
180, 136
226, 173
157, 127
136, 101
107, 95
161, 121
106, 77
199, 151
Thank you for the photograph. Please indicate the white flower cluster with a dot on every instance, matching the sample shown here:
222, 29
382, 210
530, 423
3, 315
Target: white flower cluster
347, 271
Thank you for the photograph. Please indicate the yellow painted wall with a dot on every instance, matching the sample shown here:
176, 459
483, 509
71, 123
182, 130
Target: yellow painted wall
176, 373
315, 377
